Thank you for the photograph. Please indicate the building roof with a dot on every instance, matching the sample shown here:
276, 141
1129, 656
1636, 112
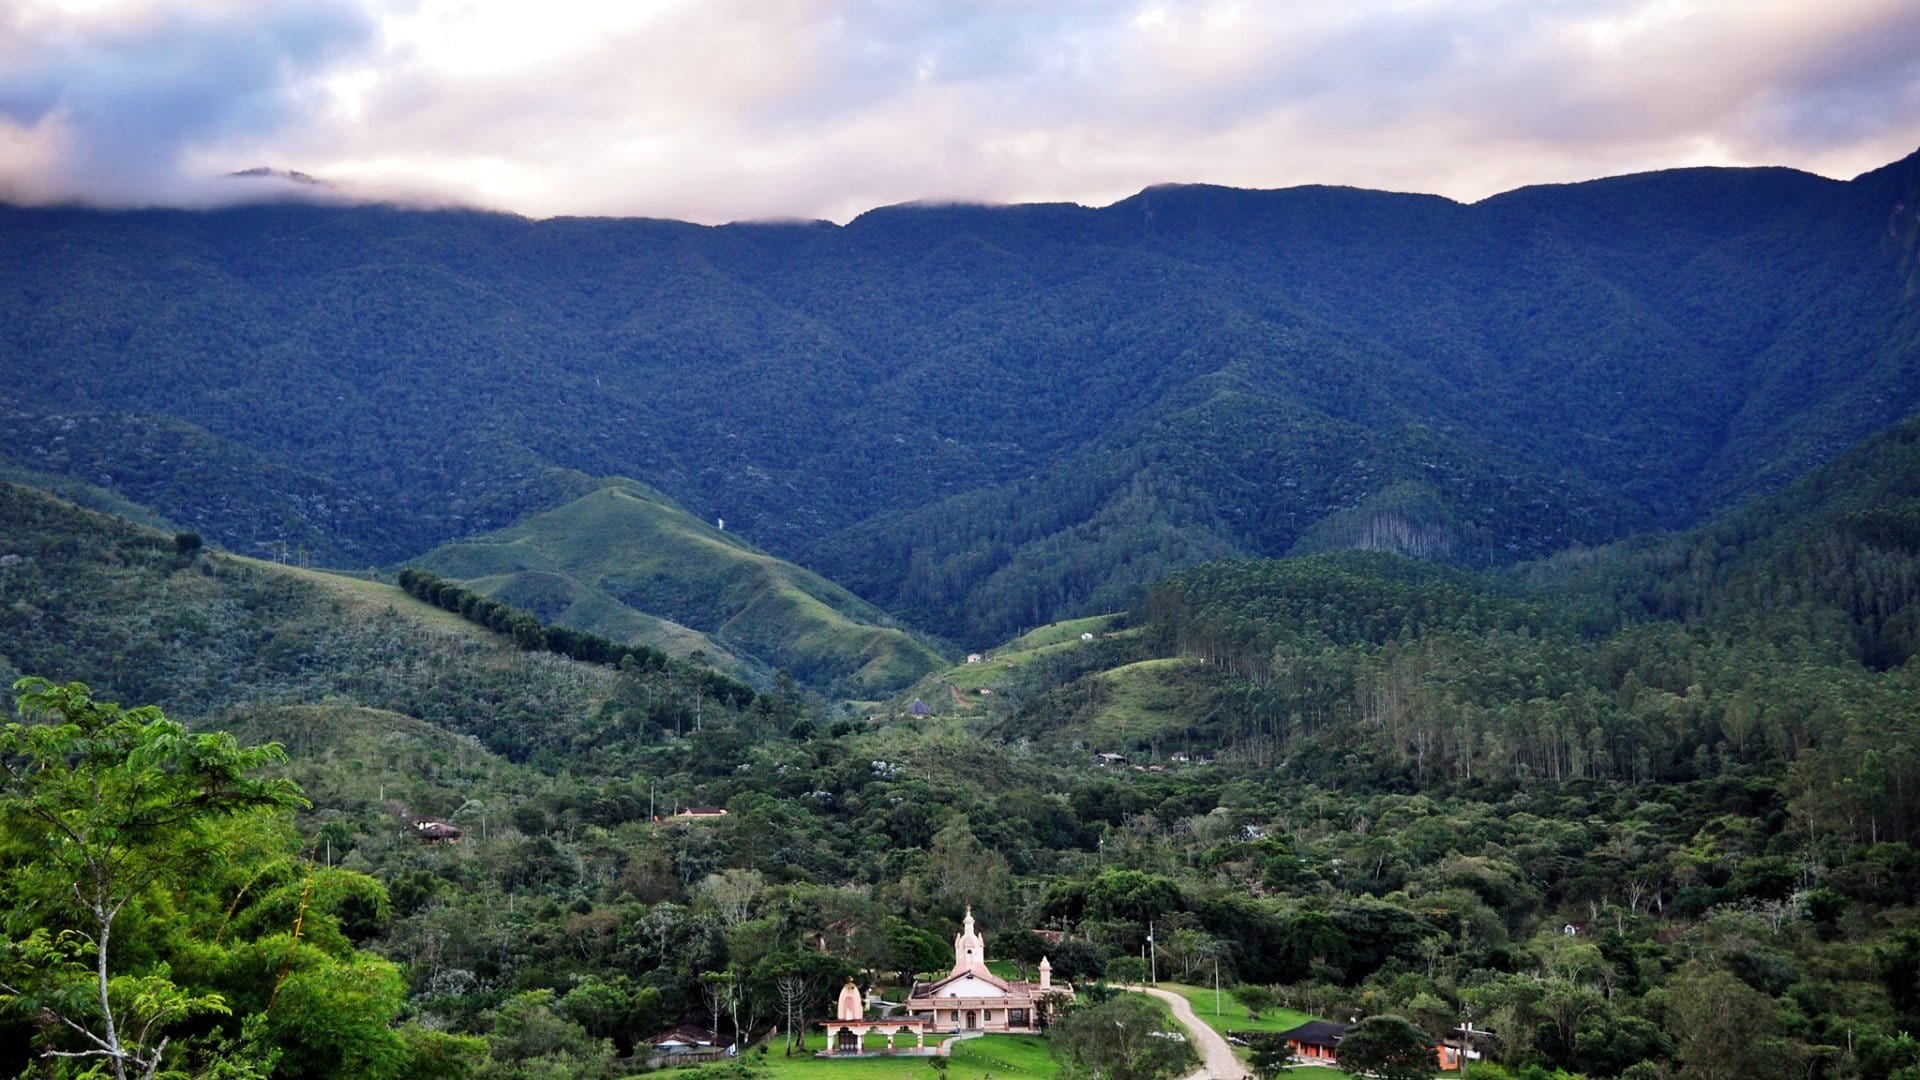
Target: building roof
1316, 1033
684, 1035
928, 989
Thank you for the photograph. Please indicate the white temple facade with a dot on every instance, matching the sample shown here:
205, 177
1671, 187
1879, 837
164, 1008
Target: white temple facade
972, 998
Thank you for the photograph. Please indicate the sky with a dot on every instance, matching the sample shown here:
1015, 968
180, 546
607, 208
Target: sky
722, 110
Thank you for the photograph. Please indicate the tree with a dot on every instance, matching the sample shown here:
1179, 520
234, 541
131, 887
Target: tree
1117, 1040
1271, 1058
962, 872
1255, 998
1077, 958
1387, 1047
721, 991
733, 893
799, 978
1723, 1028
794, 991
604, 1009
1131, 895
533, 1040
914, 950
112, 803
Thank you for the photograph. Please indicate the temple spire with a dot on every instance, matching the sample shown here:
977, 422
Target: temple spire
969, 949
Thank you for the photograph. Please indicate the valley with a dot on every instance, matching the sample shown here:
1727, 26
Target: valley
1501, 613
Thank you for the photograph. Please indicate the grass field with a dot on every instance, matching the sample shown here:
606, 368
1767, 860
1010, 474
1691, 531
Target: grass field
995, 667
632, 546
1233, 1015
362, 597
1145, 701
1067, 630
557, 598
988, 1058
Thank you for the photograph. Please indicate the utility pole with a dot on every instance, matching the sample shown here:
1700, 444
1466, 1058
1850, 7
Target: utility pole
1153, 961
1466, 1036
1216, 987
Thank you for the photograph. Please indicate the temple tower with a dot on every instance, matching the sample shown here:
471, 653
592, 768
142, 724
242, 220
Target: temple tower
852, 1006
969, 949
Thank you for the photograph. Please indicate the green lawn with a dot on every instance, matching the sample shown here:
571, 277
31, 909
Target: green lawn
1008, 970
1233, 1016
1003, 1055
1022, 1057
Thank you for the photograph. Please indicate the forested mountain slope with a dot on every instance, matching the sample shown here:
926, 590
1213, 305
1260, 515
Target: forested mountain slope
140, 617
980, 418
1782, 641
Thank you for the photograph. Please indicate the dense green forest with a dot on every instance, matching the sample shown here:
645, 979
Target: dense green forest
979, 419
1505, 612
1643, 810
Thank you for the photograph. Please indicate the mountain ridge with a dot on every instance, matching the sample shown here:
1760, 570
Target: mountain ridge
1634, 352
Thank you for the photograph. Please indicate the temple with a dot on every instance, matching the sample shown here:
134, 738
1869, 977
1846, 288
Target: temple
970, 998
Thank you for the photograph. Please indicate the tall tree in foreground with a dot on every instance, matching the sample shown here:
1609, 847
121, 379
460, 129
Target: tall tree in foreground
1118, 1040
105, 804
1387, 1047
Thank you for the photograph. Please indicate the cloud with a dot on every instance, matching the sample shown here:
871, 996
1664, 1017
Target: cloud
722, 109
115, 106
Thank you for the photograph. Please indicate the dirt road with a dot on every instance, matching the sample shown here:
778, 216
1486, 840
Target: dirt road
1216, 1057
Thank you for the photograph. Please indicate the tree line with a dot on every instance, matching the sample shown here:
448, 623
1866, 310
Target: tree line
531, 635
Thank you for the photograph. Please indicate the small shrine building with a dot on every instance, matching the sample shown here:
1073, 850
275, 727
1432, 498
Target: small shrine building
847, 1032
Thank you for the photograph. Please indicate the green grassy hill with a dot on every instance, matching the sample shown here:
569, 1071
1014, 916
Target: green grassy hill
88, 597
1042, 656
559, 598
626, 562
999, 667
